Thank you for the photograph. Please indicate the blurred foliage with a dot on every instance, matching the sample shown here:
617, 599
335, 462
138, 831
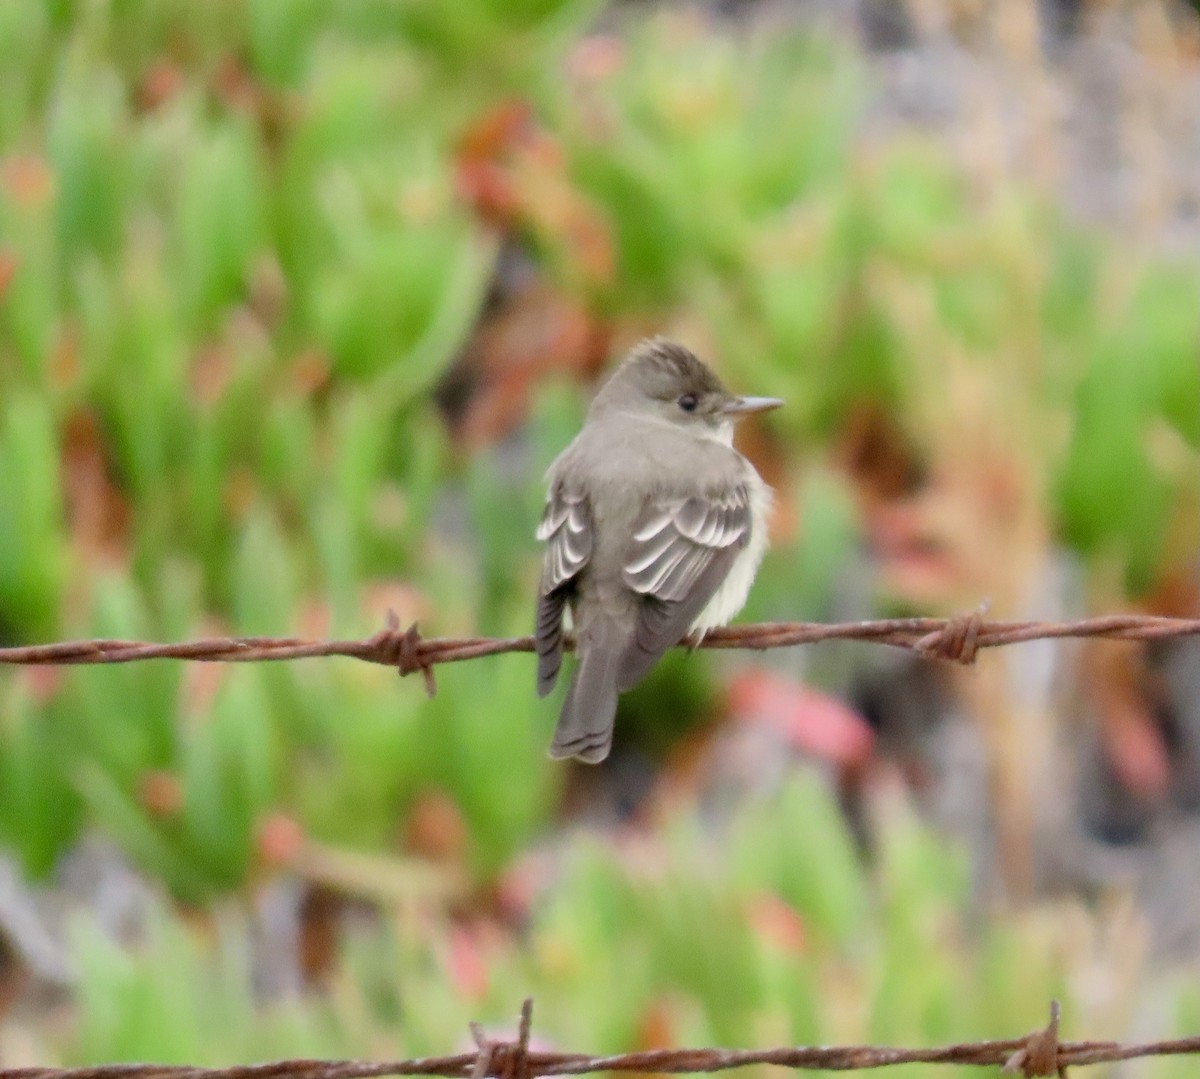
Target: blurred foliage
766, 934
234, 261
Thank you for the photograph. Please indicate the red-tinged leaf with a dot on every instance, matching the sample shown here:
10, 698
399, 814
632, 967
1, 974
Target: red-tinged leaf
554, 207
212, 372
268, 291
520, 886
280, 840
656, 1028
490, 191
310, 372
590, 241
1177, 595
922, 577
314, 619
538, 331
435, 828
778, 923
64, 362
161, 793
28, 180
41, 683
161, 82
468, 964
915, 560
514, 174
541, 150
878, 456
234, 85
597, 58
496, 131
98, 514
241, 493
809, 720
1116, 683
1138, 755
203, 681
320, 932
8, 270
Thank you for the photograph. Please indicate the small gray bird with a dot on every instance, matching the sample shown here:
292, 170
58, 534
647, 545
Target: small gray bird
654, 529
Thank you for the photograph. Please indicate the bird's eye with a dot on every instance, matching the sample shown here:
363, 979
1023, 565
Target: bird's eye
688, 402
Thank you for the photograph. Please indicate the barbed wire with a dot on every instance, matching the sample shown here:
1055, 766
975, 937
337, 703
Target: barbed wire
1037, 1054
958, 639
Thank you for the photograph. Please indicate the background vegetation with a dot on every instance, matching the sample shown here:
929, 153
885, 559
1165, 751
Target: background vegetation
297, 299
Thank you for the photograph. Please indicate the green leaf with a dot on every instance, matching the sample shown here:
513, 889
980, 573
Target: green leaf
32, 550
130, 826
265, 584
84, 139
39, 811
799, 845
219, 220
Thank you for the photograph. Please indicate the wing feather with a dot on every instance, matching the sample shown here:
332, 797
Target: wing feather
566, 529
681, 551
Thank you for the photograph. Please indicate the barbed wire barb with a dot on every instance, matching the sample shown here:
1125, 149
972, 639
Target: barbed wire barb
1039, 1056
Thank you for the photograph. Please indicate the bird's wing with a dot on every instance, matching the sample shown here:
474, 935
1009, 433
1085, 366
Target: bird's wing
681, 550
567, 531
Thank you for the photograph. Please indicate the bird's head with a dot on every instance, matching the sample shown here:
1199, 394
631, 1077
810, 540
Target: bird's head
663, 380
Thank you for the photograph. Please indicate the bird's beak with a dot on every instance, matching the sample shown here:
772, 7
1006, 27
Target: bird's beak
743, 406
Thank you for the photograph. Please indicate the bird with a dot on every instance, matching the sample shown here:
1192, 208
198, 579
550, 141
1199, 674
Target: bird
654, 528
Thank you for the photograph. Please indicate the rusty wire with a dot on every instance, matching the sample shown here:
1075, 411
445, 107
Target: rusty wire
958, 639
1037, 1054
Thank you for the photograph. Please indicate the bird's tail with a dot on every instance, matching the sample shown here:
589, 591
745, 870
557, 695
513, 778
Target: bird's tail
585, 724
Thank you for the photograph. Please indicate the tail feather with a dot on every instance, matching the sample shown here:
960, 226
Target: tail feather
585, 724
549, 639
